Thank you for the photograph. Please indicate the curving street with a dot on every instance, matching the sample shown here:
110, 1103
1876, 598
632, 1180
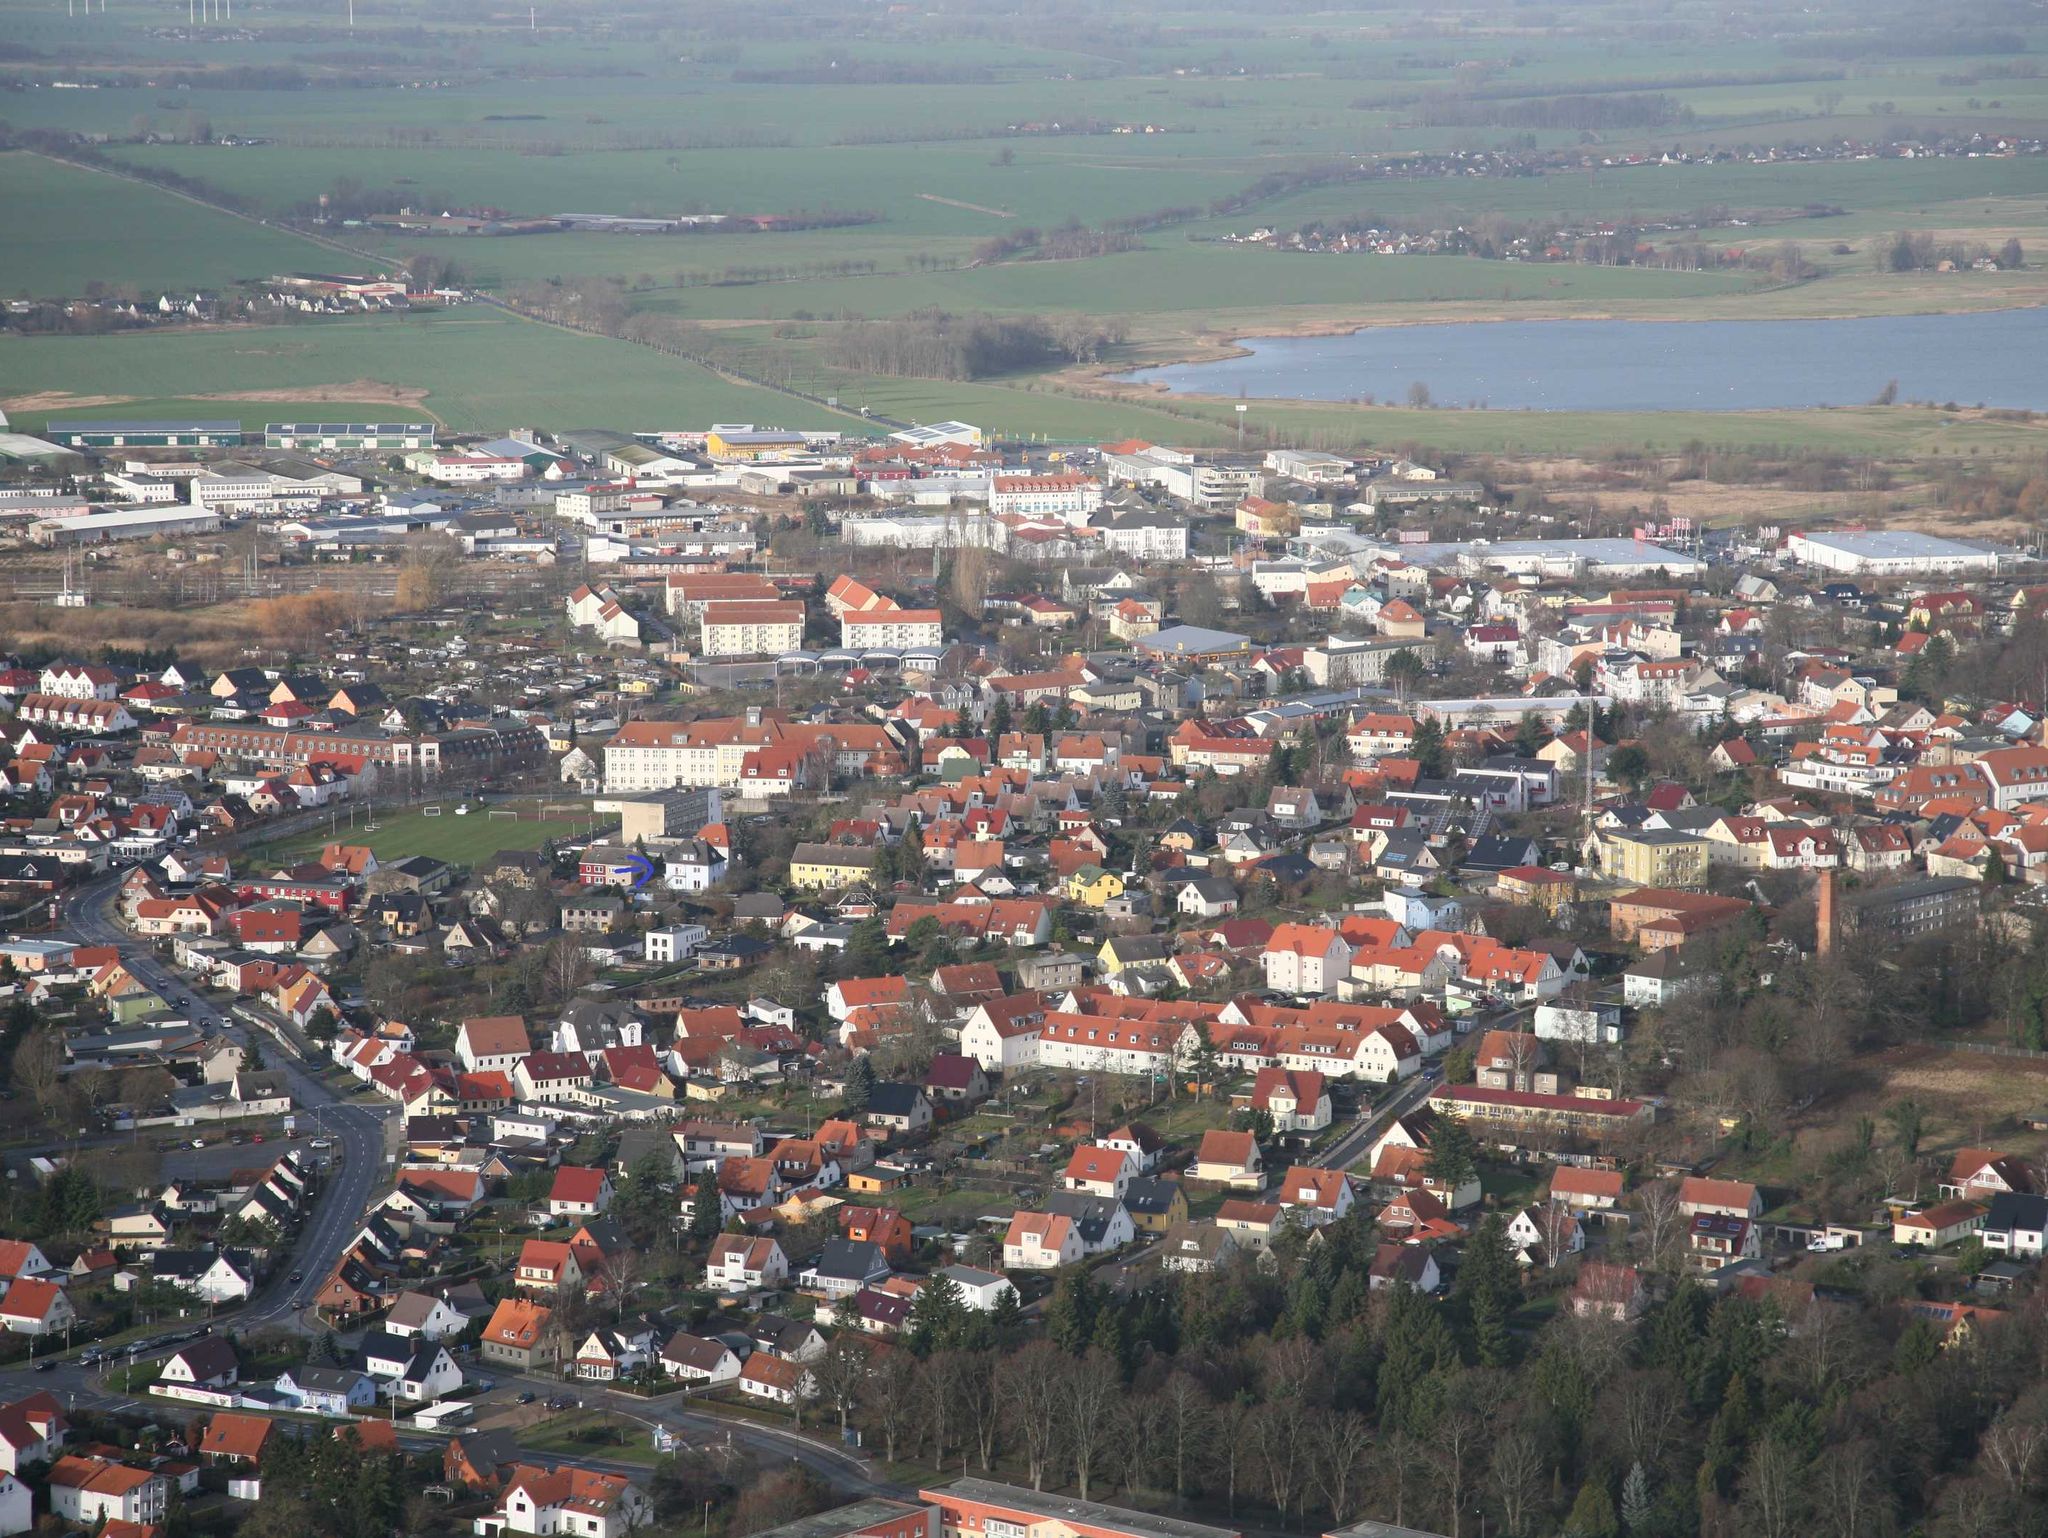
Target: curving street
360, 1156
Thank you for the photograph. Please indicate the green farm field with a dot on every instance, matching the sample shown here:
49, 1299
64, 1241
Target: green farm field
96, 229
474, 369
1197, 122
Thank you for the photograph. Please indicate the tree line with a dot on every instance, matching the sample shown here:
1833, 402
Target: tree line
1297, 1395
935, 344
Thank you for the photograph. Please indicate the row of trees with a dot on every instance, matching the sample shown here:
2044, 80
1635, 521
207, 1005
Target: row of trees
1918, 251
933, 344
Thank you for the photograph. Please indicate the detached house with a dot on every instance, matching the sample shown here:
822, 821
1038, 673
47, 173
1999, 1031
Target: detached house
1039, 1241
579, 1193
1228, 1158
1298, 1100
1306, 959
1316, 1195
741, 1264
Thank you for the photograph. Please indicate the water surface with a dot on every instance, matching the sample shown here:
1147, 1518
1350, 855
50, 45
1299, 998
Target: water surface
1991, 358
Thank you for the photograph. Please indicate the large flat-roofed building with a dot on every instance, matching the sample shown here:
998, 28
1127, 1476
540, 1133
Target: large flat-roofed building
376, 436
875, 1517
983, 1508
1568, 558
148, 433
1905, 909
750, 443
99, 526
1889, 553
1193, 643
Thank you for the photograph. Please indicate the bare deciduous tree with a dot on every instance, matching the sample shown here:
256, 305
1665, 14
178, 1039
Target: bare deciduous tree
1856, 1501
887, 1397
1089, 1394
840, 1372
1514, 1477
2012, 1450
1029, 1387
1338, 1444
1185, 1422
1657, 1222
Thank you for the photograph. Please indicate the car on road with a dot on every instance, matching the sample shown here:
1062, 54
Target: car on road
528, 1396
320, 1142
561, 1402
255, 1137
46, 1364
199, 1142
296, 1276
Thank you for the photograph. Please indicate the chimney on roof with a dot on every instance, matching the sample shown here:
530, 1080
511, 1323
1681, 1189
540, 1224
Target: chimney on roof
1824, 919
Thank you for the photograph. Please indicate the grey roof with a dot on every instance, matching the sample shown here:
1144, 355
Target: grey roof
1149, 1196
329, 1380
2010, 1210
207, 1357
851, 1260
1176, 640
891, 1099
1896, 544
487, 1450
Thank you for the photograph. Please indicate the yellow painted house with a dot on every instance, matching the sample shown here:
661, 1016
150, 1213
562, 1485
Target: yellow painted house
1092, 886
1120, 951
827, 867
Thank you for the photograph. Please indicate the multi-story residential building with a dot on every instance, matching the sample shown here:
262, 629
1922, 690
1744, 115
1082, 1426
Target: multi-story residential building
93, 1490
662, 755
751, 629
891, 627
1070, 498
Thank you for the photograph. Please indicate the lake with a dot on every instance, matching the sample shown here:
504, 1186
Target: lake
1992, 358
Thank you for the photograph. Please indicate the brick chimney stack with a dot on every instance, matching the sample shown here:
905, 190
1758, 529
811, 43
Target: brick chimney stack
1824, 919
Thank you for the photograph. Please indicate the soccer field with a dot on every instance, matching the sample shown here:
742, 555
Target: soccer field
458, 840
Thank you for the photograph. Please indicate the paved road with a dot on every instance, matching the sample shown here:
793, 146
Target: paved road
845, 1471
358, 1132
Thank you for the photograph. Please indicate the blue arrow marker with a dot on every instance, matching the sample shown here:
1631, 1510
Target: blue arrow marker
642, 869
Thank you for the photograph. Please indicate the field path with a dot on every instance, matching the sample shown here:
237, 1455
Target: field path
972, 208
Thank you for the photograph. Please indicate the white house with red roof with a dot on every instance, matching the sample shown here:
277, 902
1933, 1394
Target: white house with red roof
1040, 1241
579, 1193
1099, 1171
742, 1263
31, 1431
1298, 1100
852, 993
1316, 1195
1306, 959
33, 1307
